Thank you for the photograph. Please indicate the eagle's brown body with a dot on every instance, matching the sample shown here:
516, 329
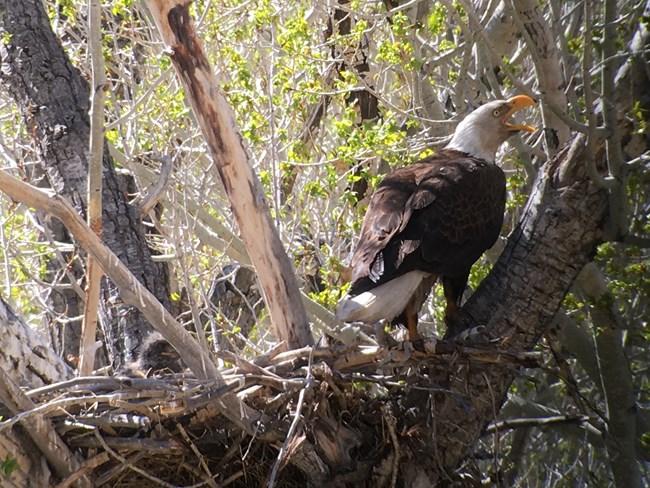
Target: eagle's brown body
437, 215
432, 220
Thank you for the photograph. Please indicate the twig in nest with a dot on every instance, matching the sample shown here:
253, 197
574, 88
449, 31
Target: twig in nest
209, 479
95, 383
116, 470
85, 469
232, 478
115, 399
126, 462
301, 398
150, 446
390, 422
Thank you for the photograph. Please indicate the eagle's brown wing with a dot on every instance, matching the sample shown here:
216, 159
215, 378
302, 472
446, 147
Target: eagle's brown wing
438, 215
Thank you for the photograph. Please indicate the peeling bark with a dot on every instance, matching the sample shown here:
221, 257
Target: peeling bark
275, 271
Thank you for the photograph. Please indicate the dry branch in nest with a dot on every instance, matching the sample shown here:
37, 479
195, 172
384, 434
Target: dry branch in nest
348, 406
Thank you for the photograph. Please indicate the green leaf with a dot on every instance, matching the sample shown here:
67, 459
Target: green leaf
8, 466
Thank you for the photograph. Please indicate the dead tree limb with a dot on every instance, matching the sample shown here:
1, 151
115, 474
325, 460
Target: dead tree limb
274, 269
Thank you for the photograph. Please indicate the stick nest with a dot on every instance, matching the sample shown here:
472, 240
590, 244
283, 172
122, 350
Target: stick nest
340, 413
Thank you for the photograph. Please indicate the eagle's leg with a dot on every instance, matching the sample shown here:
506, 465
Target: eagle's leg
454, 288
412, 322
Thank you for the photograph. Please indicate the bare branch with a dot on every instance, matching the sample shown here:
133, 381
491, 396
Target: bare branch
156, 191
616, 378
545, 55
590, 153
535, 422
131, 291
617, 220
275, 271
88, 345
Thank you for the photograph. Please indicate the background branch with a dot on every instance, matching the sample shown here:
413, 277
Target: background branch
617, 386
88, 345
131, 291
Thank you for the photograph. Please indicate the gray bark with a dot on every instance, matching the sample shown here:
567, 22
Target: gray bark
556, 237
27, 361
24, 355
53, 98
560, 228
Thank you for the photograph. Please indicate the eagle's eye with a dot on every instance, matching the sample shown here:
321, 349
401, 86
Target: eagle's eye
496, 112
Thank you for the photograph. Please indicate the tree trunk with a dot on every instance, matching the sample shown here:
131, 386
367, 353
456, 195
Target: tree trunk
27, 361
53, 98
557, 236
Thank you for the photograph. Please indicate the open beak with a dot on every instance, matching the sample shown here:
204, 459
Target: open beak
516, 104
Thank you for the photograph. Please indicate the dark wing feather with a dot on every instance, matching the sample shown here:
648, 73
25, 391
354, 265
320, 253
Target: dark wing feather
387, 214
438, 215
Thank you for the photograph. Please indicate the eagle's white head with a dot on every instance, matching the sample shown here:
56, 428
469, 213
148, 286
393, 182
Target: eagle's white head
482, 132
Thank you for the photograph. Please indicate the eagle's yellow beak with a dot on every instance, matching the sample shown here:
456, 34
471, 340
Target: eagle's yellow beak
516, 104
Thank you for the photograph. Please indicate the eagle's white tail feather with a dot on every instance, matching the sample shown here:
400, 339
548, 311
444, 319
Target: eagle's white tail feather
386, 301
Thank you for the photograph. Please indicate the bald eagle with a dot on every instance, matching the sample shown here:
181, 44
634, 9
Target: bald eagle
431, 221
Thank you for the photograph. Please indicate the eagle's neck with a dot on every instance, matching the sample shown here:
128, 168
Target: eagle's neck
474, 143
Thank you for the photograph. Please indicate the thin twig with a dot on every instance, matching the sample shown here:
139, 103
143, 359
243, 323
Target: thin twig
85, 469
392, 431
294, 423
209, 477
113, 472
126, 462
157, 190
